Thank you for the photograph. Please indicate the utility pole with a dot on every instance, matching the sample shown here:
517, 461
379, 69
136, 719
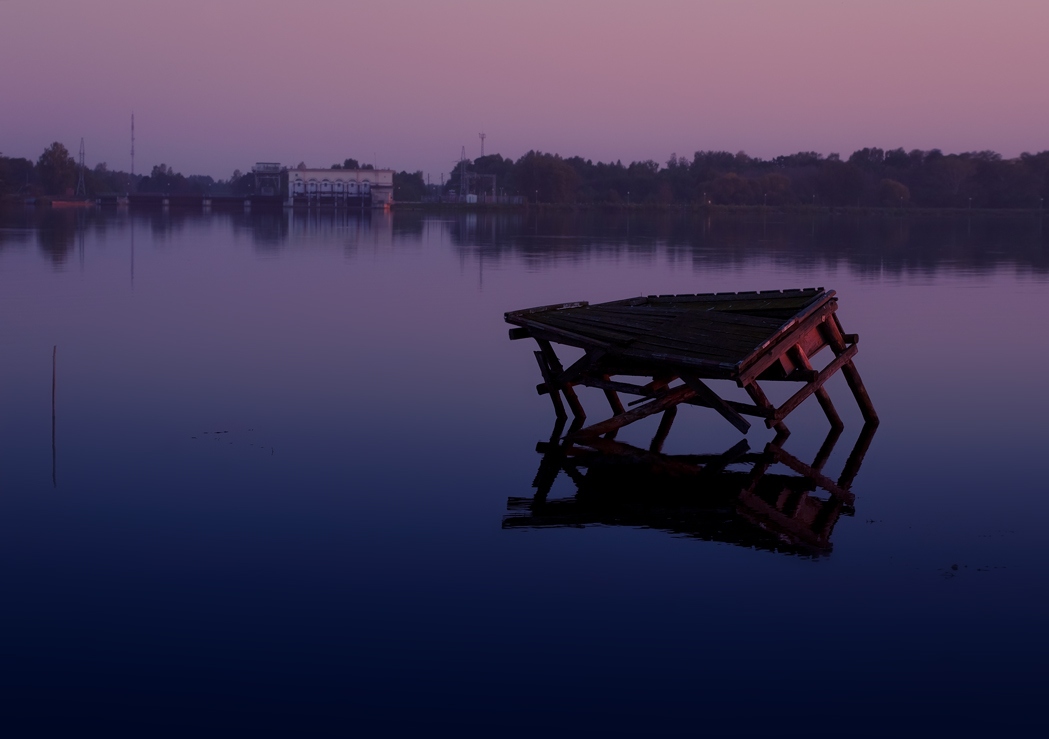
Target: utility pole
482, 137
131, 185
81, 189
462, 176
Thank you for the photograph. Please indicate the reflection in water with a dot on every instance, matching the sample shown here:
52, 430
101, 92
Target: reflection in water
54, 386
870, 244
765, 500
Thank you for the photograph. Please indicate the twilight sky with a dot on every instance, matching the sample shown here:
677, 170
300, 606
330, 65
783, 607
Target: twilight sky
220, 84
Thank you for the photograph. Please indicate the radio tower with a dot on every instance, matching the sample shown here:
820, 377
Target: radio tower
81, 189
132, 149
482, 137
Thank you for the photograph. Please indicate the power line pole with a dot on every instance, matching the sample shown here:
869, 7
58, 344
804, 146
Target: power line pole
81, 189
132, 183
462, 176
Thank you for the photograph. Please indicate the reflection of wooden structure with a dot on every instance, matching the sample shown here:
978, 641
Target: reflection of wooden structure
732, 497
686, 339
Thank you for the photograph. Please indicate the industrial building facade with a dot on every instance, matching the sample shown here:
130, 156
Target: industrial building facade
340, 187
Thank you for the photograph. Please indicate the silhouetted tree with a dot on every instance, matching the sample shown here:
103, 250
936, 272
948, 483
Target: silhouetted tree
56, 170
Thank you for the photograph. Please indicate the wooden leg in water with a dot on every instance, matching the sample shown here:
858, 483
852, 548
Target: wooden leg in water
663, 431
834, 337
758, 396
613, 400
555, 370
616, 405
802, 360
852, 377
555, 396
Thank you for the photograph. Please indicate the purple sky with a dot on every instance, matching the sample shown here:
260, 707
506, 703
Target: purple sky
220, 84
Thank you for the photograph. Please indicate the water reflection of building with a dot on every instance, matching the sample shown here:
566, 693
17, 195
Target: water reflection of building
768, 500
346, 227
341, 188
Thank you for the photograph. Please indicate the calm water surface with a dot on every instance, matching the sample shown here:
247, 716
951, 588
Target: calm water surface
273, 497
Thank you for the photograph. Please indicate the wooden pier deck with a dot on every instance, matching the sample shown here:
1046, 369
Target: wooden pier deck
679, 341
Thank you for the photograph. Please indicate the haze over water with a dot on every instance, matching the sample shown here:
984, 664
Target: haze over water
284, 446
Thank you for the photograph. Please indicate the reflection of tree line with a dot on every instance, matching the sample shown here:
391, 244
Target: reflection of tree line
862, 242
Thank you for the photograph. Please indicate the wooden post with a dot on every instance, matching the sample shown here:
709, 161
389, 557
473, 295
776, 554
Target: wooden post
555, 396
613, 399
758, 396
834, 337
802, 359
556, 370
664, 430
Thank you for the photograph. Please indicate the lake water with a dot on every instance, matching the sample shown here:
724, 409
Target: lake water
273, 497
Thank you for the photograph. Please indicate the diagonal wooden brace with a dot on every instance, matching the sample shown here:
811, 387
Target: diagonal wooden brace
825, 374
716, 402
672, 398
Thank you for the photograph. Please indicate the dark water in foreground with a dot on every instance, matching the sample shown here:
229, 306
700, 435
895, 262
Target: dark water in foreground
284, 448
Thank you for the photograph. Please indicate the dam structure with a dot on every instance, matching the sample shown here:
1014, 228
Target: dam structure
339, 188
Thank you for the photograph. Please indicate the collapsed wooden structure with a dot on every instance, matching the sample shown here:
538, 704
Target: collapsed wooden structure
738, 497
746, 337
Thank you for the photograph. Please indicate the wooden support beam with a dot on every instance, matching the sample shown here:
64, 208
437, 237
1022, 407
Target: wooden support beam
790, 335
672, 398
555, 397
832, 332
576, 369
797, 398
613, 400
555, 370
717, 403
663, 431
745, 409
822, 396
759, 398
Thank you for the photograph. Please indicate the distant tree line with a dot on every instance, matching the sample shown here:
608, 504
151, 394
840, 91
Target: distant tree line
869, 177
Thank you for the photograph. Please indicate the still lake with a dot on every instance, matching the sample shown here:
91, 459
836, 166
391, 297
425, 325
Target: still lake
275, 496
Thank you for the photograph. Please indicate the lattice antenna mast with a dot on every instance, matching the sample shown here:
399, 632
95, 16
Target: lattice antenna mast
81, 189
482, 136
132, 147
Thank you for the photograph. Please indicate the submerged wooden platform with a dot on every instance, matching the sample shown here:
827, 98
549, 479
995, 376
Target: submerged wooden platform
681, 340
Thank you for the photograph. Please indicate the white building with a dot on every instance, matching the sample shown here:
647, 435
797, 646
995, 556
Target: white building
340, 187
